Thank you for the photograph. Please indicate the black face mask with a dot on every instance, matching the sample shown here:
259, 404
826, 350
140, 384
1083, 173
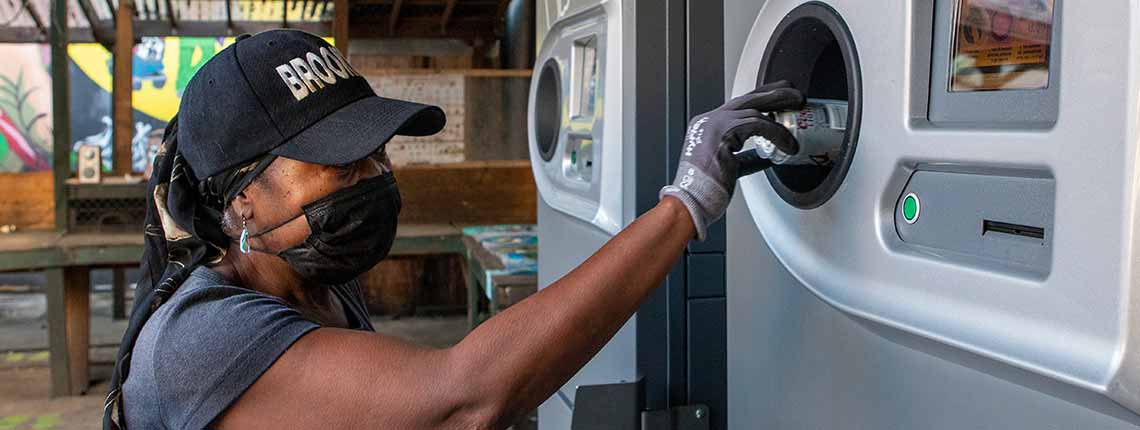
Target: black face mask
351, 230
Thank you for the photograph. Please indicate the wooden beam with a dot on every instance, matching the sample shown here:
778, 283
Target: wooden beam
427, 27
219, 28
501, 11
170, 15
431, 3
340, 26
33, 35
394, 16
229, 17
122, 78
447, 12
35, 17
88, 12
61, 110
22, 35
96, 28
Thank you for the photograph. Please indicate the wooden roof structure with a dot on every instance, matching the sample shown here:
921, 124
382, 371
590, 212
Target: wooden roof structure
28, 21
111, 21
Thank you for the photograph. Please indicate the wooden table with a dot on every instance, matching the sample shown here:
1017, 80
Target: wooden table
486, 277
67, 260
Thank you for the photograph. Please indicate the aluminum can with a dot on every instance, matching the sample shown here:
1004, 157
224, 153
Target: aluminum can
819, 129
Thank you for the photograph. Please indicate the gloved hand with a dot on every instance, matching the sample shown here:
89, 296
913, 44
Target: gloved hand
706, 175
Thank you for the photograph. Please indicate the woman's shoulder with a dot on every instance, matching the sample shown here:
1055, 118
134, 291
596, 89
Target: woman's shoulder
209, 318
207, 344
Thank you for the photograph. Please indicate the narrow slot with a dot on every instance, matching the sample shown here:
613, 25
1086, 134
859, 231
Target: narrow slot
1014, 229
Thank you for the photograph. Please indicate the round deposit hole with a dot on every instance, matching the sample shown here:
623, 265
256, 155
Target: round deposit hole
548, 110
812, 48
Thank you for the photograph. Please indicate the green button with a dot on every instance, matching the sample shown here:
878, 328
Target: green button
911, 208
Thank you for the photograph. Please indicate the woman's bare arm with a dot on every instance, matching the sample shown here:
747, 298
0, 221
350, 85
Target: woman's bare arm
334, 378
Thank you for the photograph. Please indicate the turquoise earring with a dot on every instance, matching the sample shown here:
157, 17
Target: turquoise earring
243, 245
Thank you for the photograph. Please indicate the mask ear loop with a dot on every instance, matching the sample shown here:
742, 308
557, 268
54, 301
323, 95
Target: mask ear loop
243, 244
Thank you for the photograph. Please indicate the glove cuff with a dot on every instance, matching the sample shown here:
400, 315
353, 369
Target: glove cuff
691, 205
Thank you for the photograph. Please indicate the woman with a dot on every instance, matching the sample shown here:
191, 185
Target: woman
272, 193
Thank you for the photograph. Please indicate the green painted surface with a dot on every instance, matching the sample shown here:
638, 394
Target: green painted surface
41, 422
11, 422
16, 357
46, 422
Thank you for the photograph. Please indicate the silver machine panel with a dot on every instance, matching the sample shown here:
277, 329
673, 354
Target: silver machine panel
615, 83
576, 137
1000, 297
576, 146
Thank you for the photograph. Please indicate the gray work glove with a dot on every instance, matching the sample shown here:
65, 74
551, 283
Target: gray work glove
706, 175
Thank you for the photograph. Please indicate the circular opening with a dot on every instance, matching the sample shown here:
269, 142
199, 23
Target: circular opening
547, 110
813, 49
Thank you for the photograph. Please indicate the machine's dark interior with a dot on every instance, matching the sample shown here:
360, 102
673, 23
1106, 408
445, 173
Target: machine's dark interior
812, 49
547, 110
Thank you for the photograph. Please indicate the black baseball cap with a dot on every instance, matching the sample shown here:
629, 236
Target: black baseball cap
288, 93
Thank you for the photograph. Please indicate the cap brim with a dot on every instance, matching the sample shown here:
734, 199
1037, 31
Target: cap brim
360, 129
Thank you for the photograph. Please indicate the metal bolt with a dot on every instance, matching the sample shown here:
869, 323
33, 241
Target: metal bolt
700, 413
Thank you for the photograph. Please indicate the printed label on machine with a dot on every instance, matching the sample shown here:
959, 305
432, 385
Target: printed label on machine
1001, 45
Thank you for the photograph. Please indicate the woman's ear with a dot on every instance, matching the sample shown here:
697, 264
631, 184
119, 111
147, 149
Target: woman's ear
242, 206
239, 212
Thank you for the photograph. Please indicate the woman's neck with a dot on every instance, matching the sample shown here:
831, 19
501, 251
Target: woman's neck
271, 275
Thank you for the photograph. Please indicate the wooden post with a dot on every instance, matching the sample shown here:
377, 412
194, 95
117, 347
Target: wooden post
61, 110
340, 26
448, 10
69, 328
118, 293
394, 17
472, 290
122, 110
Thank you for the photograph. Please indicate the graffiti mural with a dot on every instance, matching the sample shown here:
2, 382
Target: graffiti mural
25, 109
161, 69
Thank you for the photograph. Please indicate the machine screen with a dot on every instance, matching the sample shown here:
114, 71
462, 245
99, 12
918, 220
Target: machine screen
1001, 45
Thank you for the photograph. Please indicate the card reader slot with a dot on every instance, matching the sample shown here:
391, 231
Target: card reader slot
1012, 229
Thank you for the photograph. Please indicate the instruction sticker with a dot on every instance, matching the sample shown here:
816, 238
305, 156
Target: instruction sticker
1001, 45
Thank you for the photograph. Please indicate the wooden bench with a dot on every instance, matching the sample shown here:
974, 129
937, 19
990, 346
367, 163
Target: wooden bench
67, 261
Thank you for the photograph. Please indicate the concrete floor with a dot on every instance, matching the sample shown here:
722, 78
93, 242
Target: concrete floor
25, 401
